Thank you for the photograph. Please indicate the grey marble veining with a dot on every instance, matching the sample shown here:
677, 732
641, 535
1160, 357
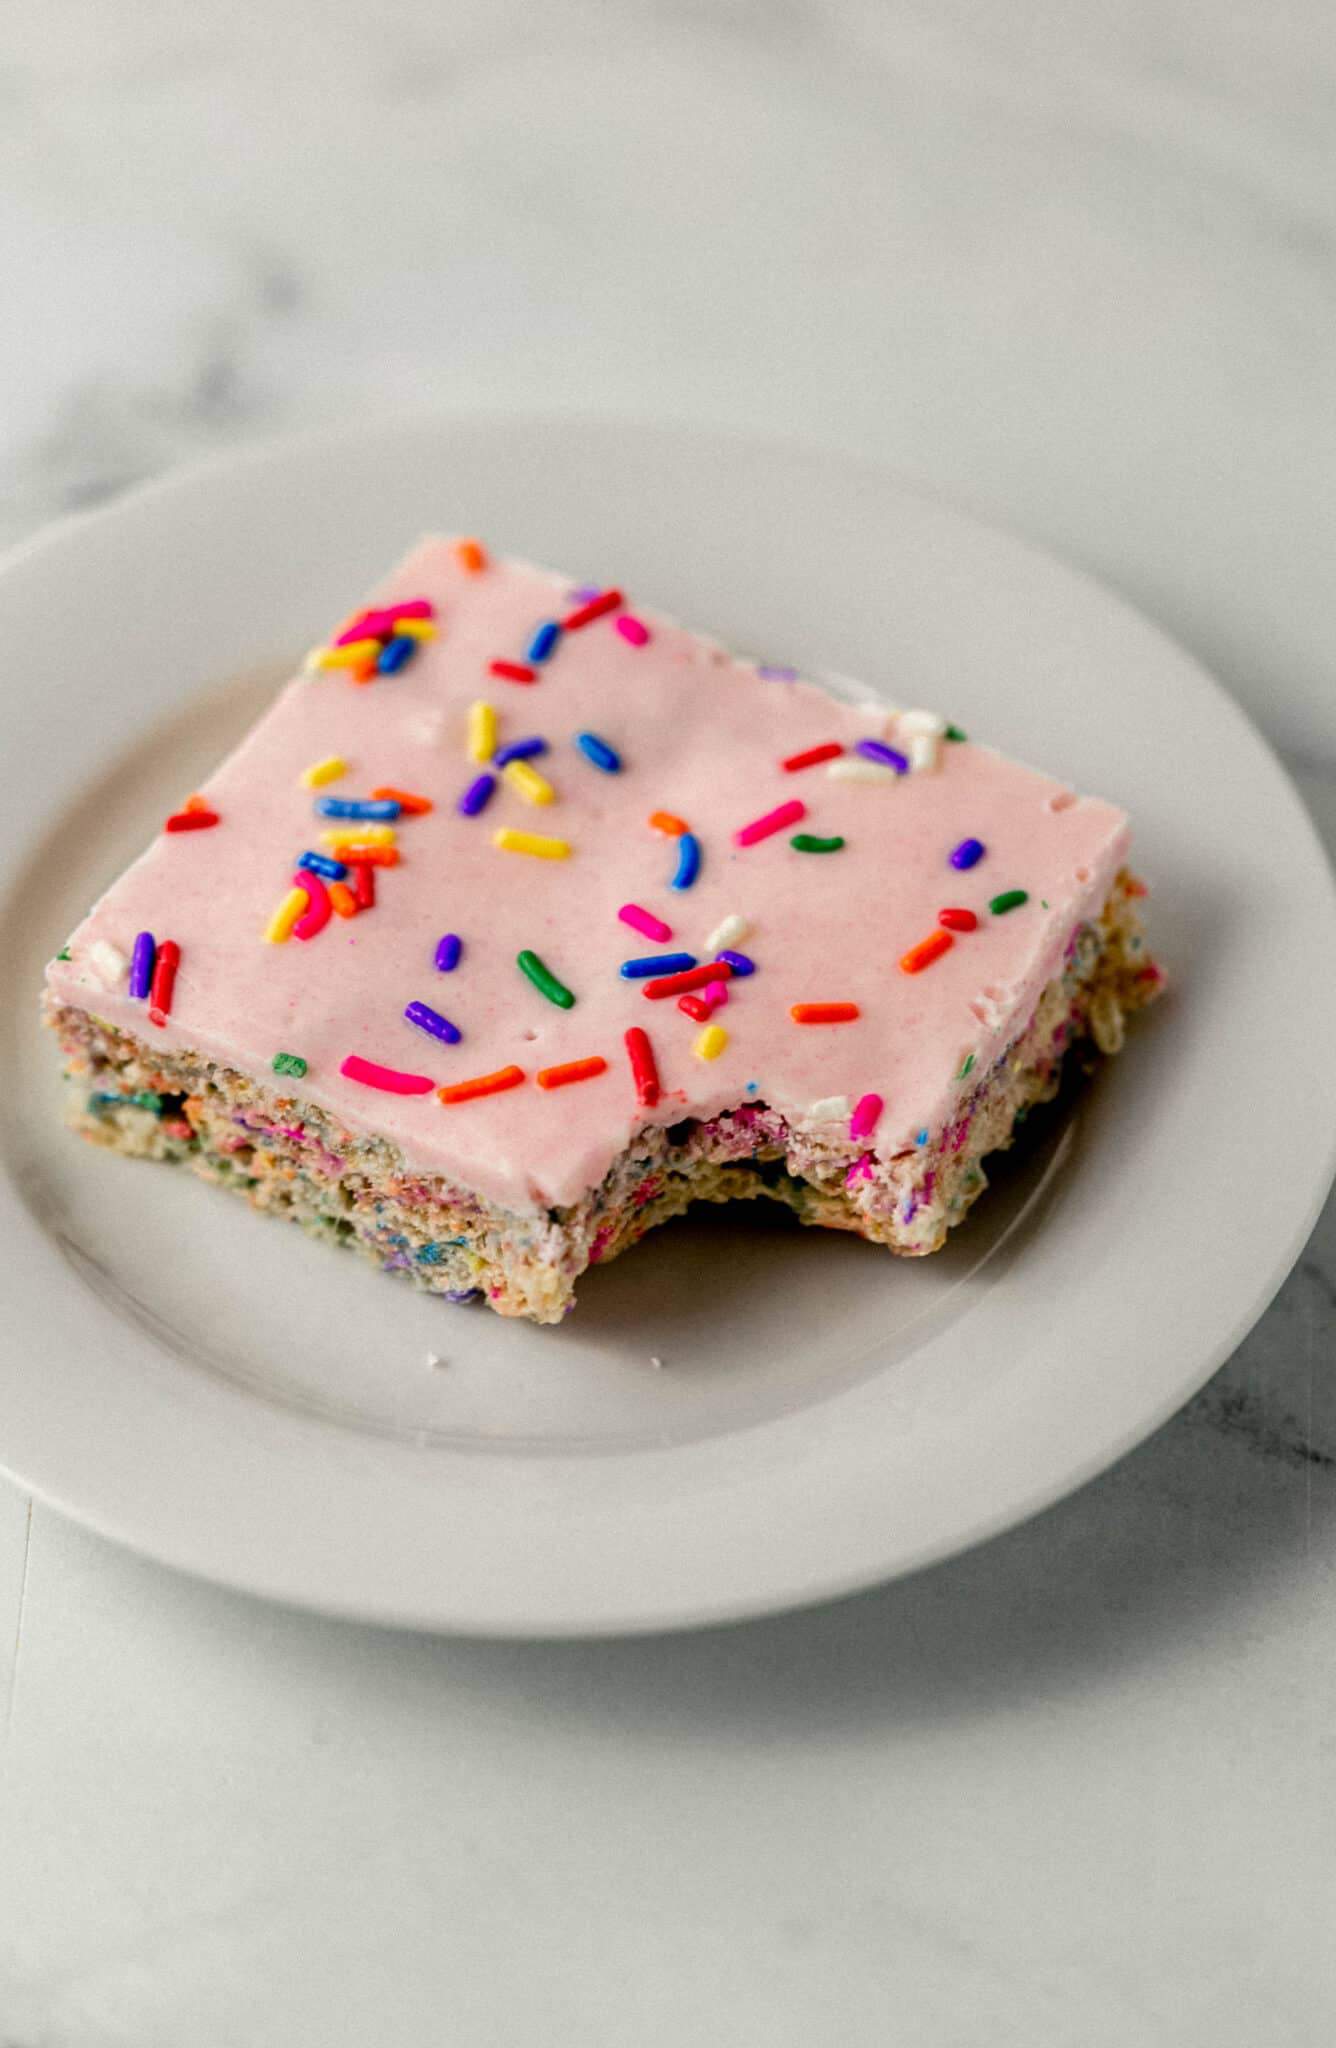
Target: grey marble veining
1077, 265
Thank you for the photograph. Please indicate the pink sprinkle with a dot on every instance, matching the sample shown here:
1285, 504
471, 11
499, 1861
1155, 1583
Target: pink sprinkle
715, 994
773, 821
388, 1078
411, 608
318, 909
645, 921
366, 626
867, 1111
631, 629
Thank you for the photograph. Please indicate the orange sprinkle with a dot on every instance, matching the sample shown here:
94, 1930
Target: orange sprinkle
574, 1070
471, 555
371, 856
342, 899
483, 1084
364, 672
201, 803
927, 950
412, 806
664, 821
1134, 886
824, 1013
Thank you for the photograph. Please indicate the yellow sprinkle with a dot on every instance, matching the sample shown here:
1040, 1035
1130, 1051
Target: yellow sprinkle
350, 655
358, 835
528, 783
482, 731
415, 629
711, 1042
279, 928
328, 770
530, 842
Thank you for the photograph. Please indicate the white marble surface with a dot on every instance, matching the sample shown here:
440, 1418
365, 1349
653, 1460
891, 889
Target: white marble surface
1078, 264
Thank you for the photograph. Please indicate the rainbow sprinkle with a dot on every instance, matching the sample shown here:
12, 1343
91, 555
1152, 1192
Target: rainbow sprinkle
471, 556
599, 752
533, 843
866, 1116
482, 731
669, 823
390, 1080
656, 963
323, 864
543, 644
954, 920
808, 842
968, 854
319, 908
926, 951
824, 1013
711, 1042
690, 977
433, 1023
632, 630
853, 768
592, 608
644, 1071
478, 794
773, 821
396, 654
688, 861
279, 928
1010, 899
142, 955
289, 1063
645, 922
526, 782
740, 964
164, 981
411, 806
383, 809
520, 750
482, 1084
512, 671
573, 1070
886, 757
321, 772
544, 980
810, 756
448, 950
358, 835
727, 932
194, 818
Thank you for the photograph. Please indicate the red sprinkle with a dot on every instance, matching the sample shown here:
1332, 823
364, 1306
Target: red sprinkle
574, 1070
927, 950
644, 1072
164, 981
191, 821
482, 1084
958, 920
809, 759
412, 806
513, 671
364, 884
608, 601
359, 856
695, 1008
824, 1013
690, 977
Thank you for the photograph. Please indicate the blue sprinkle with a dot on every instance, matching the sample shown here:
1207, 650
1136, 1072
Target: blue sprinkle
656, 963
322, 864
739, 963
890, 757
380, 808
688, 861
433, 1023
395, 653
479, 792
599, 752
544, 640
922, 1138
448, 951
431, 1254
520, 750
968, 854
752, 1087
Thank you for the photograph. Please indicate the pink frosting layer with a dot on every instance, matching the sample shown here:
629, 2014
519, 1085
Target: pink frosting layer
699, 735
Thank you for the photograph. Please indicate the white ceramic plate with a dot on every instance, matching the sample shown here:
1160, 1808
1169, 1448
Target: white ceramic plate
219, 1392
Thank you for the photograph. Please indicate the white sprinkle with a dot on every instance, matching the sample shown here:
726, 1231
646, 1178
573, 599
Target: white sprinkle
857, 768
832, 1109
925, 753
107, 962
930, 722
435, 1363
313, 661
730, 931
656, 1362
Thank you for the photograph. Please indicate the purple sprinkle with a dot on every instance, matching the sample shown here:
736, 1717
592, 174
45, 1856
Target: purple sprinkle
890, 757
586, 593
461, 1294
519, 750
477, 795
968, 854
739, 962
777, 672
142, 957
433, 1023
448, 951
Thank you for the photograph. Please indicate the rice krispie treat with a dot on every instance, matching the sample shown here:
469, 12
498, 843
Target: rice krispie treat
523, 919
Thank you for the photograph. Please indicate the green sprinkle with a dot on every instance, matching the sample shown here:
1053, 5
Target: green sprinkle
64, 953
289, 1063
147, 1099
1010, 899
966, 1066
807, 842
544, 980
953, 732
